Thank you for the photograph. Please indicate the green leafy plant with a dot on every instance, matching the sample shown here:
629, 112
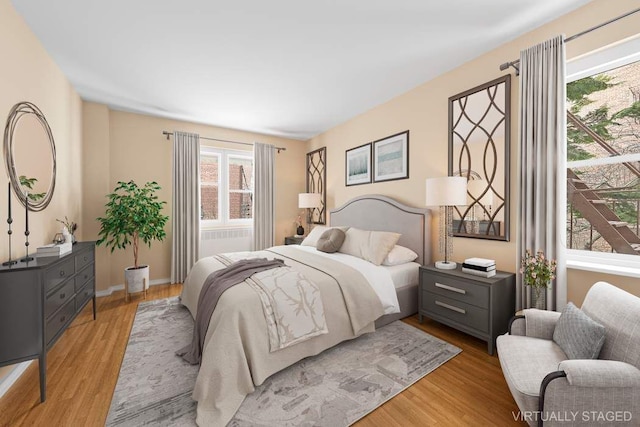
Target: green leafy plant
133, 213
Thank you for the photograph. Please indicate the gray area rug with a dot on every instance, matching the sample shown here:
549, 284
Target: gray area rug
335, 388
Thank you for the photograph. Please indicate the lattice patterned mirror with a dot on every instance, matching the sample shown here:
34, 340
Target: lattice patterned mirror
316, 179
479, 127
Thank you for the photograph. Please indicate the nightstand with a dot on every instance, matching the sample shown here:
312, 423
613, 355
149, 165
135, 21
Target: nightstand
293, 240
472, 304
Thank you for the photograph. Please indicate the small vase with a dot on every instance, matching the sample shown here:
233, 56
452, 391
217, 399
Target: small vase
538, 298
300, 231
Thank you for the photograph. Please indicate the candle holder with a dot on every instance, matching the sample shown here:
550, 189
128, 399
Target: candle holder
9, 232
26, 258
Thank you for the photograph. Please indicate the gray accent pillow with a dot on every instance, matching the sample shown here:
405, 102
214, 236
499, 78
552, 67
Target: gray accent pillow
331, 240
579, 336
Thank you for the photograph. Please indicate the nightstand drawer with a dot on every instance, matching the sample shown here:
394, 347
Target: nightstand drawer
464, 314
460, 290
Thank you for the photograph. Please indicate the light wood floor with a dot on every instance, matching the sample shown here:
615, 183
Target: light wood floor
83, 366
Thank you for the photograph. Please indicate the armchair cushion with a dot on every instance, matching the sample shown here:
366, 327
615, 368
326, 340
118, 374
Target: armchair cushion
540, 323
600, 373
525, 362
579, 336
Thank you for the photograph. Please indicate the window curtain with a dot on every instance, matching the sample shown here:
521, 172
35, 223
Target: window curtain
264, 212
543, 173
186, 204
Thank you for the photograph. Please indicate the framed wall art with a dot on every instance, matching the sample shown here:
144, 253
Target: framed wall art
391, 157
358, 165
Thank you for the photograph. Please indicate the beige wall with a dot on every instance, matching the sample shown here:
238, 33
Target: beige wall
423, 111
29, 74
121, 146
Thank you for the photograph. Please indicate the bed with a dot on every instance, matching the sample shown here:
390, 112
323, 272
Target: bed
238, 354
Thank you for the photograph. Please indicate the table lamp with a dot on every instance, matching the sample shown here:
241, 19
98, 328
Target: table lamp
309, 201
446, 192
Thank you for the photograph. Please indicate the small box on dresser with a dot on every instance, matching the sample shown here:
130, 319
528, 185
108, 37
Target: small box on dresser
475, 305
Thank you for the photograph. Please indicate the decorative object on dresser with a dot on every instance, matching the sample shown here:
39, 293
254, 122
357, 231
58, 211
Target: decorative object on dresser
446, 192
70, 227
309, 202
479, 306
479, 141
316, 182
54, 249
39, 300
293, 240
358, 165
133, 214
391, 157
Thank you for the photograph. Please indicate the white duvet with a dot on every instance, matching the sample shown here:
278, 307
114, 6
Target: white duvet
378, 277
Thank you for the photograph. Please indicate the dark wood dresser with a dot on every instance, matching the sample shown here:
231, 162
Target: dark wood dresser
38, 301
479, 306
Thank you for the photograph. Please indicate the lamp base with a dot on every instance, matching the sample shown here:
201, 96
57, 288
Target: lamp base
446, 265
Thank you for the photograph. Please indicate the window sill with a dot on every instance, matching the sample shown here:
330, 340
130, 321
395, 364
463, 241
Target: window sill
604, 268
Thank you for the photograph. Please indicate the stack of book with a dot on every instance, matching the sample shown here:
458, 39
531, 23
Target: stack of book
54, 249
479, 267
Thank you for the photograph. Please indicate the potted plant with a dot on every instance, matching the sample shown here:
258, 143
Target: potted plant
133, 214
538, 272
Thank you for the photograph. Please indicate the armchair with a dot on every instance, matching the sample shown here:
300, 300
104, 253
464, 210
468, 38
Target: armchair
552, 390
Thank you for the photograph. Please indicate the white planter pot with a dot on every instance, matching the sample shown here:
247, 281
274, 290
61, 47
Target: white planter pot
136, 279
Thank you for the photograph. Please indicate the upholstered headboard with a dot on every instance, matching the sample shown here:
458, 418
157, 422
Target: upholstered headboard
381, 213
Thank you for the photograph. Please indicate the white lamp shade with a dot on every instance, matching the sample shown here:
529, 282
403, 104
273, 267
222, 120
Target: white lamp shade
476, 187
309, 200
447, 191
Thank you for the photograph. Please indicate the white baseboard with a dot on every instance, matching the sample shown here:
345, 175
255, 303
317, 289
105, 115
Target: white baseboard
114, 288
12, 377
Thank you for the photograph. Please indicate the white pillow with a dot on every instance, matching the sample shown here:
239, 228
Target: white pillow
399, 255
314, 235
372, 246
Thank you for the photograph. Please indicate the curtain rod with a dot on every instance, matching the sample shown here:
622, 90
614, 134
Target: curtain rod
515, 63
170, 134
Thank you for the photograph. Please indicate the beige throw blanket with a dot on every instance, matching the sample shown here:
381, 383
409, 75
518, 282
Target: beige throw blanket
236, 355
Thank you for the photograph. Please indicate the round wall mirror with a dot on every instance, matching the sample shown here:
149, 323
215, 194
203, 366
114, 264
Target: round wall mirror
30, 155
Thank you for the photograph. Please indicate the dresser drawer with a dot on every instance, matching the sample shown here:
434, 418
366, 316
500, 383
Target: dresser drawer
459, 290
58, 320
462, 313
83, 277
57, 298
84, 295
84, 259
58, 274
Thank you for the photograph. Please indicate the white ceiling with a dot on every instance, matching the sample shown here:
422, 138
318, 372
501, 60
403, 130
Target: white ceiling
290, 68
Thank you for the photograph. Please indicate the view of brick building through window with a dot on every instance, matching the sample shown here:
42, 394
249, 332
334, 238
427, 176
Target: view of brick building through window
240, 187
604, 195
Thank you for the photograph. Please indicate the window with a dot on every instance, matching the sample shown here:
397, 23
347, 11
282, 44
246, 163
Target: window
226, 187
603, 156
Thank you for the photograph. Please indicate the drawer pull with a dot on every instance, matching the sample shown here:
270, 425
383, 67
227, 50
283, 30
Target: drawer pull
63, 318
85, 258
62, 273
451, 288
62, 295
451, 307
